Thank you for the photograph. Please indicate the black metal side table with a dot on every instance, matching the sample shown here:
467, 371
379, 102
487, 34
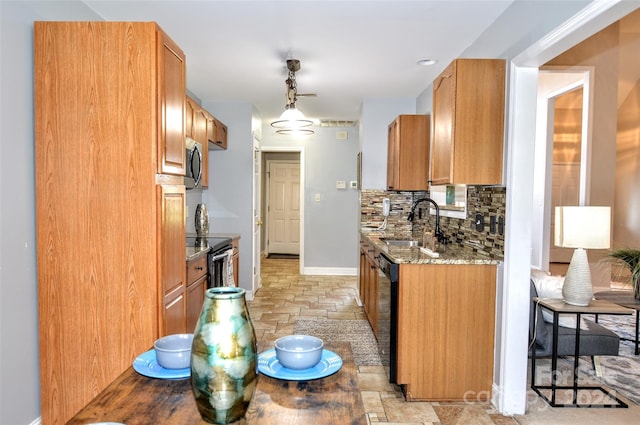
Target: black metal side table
624, 299
557, 306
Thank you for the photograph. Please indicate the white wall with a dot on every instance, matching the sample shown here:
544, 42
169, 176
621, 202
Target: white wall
330, 225
375, 118
229, 196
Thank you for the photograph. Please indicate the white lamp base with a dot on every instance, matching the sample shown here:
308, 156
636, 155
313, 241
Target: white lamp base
577, 288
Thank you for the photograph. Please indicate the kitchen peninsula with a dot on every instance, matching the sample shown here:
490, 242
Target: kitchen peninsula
445, 317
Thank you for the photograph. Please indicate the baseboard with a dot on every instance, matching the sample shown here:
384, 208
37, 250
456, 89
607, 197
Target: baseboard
330, 271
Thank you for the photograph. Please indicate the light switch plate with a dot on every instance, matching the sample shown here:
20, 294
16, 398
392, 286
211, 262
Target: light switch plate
341, 184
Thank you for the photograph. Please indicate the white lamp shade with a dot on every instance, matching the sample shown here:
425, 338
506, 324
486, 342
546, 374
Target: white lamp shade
583, 227
292, 118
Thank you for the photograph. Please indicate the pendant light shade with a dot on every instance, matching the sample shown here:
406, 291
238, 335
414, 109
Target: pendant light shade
292, 118
292, 121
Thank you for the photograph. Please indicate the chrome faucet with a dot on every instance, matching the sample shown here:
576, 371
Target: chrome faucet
439, 235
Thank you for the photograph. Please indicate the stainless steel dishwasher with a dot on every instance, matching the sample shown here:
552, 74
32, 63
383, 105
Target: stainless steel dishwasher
388, 314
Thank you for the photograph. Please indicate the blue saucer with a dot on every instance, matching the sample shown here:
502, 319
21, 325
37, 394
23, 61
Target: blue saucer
269, 365
147, 365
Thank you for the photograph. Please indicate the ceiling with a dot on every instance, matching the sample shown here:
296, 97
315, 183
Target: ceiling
349, 50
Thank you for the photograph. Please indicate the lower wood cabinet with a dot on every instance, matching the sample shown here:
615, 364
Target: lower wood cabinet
446, 329
368, 284
196, 287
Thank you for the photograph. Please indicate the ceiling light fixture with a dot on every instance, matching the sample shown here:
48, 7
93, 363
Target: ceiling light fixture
426, 62
292, 121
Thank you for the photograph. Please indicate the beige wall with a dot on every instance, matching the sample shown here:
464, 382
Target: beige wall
613, 54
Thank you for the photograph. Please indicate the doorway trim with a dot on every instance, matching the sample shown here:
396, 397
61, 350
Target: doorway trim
300, 151
553, 82
513, 297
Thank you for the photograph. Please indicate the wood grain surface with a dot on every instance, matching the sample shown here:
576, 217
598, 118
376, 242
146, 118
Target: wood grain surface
136, 399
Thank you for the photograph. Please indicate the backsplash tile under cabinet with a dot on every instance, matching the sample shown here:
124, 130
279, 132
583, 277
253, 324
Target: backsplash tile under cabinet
486, 200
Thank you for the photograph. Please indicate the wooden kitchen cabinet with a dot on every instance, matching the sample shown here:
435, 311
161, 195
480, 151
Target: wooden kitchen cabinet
190, 106
217, 133
200, 117
368, 283
109, 150
468, 123
446, 331
172, 204
196, 287
408, 153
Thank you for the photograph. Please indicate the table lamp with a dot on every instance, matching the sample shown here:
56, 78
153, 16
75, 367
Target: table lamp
581, 228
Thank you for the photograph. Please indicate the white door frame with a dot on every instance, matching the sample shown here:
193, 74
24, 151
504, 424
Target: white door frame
256, 214
513, 299
300, 151
553, 82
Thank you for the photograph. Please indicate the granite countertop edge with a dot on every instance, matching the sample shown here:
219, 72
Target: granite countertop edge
451, 254
194, 253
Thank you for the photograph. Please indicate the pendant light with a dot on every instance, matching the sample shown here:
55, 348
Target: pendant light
292, 121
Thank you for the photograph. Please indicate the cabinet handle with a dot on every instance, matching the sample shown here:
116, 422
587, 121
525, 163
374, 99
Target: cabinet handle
199, 268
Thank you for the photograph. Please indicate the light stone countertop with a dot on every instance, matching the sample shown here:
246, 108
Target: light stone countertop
449, 254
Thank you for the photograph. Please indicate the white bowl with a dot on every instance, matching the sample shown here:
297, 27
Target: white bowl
174, 351
299, 351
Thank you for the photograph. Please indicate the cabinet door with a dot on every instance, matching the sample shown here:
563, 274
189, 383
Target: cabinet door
393, 170
172, 255
189, 108
468, 116
200, 117
221, 134
171, 102
444, 93
446, 327
195, 299
408, 153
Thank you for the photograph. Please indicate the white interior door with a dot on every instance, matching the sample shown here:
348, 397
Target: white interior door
257, 215
283, 210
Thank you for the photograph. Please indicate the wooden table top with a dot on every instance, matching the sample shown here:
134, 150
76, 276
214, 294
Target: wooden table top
136, 399
595, 307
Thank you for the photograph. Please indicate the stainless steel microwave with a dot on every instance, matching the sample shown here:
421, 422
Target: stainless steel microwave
193, 174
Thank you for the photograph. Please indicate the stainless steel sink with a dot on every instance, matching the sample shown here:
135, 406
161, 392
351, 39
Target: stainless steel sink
401, 242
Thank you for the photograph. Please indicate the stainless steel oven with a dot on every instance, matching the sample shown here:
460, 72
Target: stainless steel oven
219, 264
388, 314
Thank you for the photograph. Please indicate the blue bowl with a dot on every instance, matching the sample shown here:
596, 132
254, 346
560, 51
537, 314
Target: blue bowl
299, 352
174, 351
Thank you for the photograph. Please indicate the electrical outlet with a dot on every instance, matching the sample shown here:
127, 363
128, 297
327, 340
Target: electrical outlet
479, 222
492, 224
501, 225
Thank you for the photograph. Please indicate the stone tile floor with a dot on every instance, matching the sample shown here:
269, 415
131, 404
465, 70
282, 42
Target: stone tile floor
286, 296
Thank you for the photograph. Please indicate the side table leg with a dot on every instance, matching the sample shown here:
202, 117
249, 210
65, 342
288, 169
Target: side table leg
637, 324
576, 360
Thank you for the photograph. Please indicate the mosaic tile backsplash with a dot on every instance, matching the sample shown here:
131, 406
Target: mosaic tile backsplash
489, 201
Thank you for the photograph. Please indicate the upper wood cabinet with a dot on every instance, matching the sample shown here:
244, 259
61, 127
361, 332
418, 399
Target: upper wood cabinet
200, 117
408, 153
217, 133
109, 102
190, 106
468, 122
171, 74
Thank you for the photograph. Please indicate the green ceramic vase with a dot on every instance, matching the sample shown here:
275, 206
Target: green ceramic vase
224, 357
